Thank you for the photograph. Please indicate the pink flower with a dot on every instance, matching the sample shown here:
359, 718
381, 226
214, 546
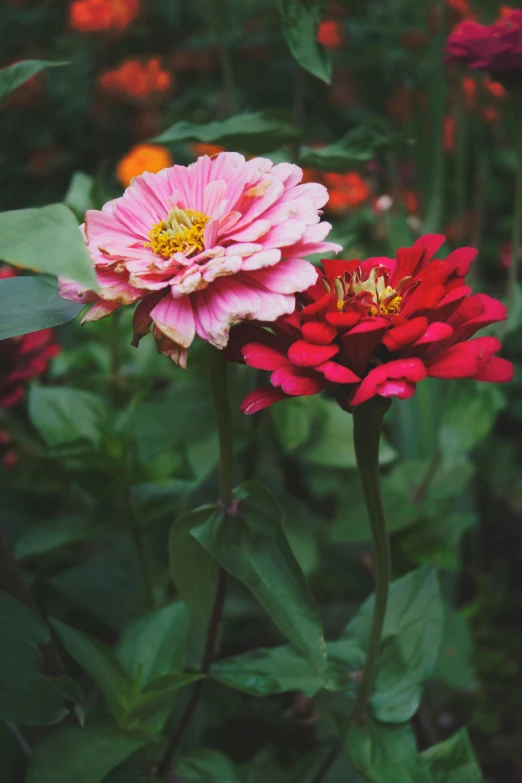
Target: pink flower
205, 246
496, 48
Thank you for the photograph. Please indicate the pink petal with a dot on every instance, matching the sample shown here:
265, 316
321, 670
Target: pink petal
175, 319
318, 332
261, 398
262, 357
286, 277
296, 382
396, 378
337, 373
305, 354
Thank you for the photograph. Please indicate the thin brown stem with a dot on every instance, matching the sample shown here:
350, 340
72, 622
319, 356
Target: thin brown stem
327, 764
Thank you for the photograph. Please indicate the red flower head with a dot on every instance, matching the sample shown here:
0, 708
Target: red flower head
377, 327
496, 48
22, 358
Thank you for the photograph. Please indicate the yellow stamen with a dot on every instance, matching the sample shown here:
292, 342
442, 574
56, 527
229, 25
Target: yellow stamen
379, 298
181, 232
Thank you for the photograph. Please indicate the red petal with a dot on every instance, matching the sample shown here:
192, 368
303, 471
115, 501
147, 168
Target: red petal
496, 370
435, 332
343, 319
248, 333
404, 335
461, 259
320, 306
297, 382
262, 357
336, 267
337, 373
305, 354
463, 360
261, 398
360, 342
411, 259
318, 332
391, 379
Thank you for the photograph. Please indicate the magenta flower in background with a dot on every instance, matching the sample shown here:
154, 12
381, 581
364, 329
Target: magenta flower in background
495, 48
205, 246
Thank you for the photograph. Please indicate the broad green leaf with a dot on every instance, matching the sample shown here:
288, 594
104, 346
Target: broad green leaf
81, 755
15, 75
192, 570
410, 643
154, 645
47, 536
469, 415
385, 754
12, 757
27, 696
28, 304
455, 661
453, 760
271, 670
437, 541
151, 707
293, 422
252, 546
358, 146
300, 24
63, 415
208, 766
101, 665
79, 195
154, 502
46, 239
256, 132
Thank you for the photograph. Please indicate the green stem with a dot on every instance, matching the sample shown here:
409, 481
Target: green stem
216, 15
139, 546
461, 162
367, 426
516, 235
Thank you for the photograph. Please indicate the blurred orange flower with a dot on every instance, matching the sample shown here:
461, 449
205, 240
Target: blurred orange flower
137, 79
199, 149
448, 134
347, 191
142, 157
330, 34
89, 16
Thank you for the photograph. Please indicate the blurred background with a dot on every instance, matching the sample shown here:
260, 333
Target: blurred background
103, 445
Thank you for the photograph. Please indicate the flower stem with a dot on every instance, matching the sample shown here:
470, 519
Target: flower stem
367, 426
216, 13
219, 390
139, 546
516, 235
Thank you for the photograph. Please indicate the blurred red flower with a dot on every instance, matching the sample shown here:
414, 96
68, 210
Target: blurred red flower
495, 48
330, 34
347, 191
22, 358
92, 16
377, 327
136, 79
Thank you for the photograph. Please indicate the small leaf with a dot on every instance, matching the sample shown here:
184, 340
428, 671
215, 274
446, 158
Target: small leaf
469, 415
208, 766
63, 415
192, 570
79, 195
300, 24
257, 132
47, 536
455, 661
453, 760
101, 665
438, 540
81, 755
27, 696
358, 146
152, 706
154, 645
46, 239
385, 754
410, 643
15, 75
28, 304
252, 546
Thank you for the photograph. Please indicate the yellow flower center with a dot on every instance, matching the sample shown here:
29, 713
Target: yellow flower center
181, 232
379, 297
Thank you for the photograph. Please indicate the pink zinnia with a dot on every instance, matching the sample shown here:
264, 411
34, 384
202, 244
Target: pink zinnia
496, 48
205, 246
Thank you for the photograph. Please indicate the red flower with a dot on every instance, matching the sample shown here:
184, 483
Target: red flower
22, 358
330, 34
496, 48
377, 327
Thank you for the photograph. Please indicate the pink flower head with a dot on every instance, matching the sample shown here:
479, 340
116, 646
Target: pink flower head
496, 48
377, 327
203, 247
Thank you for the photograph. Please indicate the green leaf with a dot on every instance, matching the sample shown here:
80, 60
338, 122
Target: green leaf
64, 415
27, 696
101, 665
469, 415
79, 195
385, 754
46, 239
151, 707
154, 645
453, 761
410, 643
15, 75
356, 147
257, 132
293, 422
81, 755
300, 24
47, 536
28, 304
192, 570
252, 546
455, 662
272, 670
438, 540
208, 766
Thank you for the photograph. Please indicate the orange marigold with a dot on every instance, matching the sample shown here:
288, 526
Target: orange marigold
142, 157
89, 16
347, 191
199, 148
137, 79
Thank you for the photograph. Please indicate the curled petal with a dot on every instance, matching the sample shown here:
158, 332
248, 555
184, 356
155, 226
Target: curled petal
305, 354
262, 398
297, 381
392, 379
262, 357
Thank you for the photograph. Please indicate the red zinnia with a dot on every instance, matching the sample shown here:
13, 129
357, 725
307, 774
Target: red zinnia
496, 48
376, 327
